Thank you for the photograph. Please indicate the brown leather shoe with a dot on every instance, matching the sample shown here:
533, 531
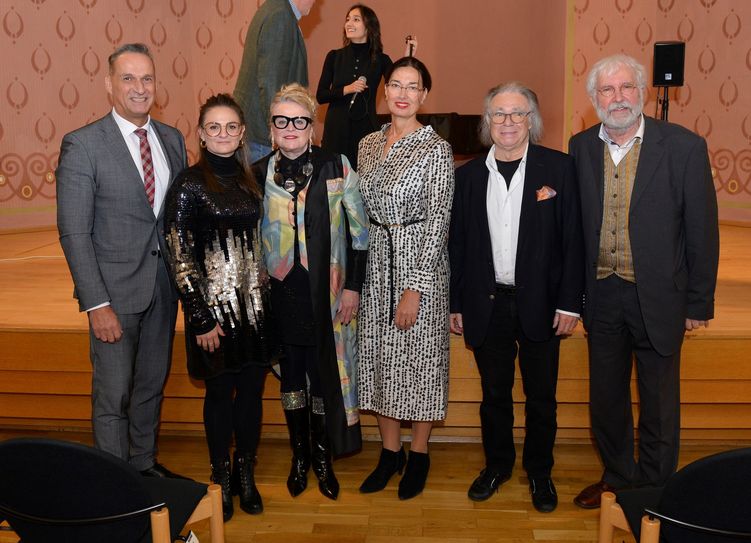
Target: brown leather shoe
589, 498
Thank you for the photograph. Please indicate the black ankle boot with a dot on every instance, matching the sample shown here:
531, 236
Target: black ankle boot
220, 475
244, 484
298, 425
415, 475
321, 457
389, 463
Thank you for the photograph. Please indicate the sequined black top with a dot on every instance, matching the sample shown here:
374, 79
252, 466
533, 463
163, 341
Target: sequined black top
216, 261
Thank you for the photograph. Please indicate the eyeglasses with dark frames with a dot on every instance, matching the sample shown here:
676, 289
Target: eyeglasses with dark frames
282, 122
499, 117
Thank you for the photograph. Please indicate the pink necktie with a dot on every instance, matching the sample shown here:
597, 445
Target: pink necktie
149, 183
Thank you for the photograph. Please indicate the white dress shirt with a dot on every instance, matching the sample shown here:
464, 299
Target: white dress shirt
158, 157
617, 152
504, 206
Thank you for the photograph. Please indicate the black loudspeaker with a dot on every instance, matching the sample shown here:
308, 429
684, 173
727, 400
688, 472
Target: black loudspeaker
669, 57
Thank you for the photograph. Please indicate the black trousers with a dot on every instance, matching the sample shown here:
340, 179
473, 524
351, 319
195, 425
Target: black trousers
615, 336
538, 362
234, 402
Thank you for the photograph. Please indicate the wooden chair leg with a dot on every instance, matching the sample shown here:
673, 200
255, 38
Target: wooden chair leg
650, 530
216, 522
606, 531
160, 532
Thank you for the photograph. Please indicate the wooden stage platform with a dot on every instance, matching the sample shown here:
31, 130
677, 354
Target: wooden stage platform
45, 371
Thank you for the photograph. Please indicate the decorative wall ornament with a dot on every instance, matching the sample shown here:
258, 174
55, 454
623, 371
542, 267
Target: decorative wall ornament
12, 24
685, 30
90, 63
65, 28
158, 34
644, 34
178, 8
224, 8
41, 61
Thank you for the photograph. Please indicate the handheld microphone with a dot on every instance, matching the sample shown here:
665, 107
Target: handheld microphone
354, 95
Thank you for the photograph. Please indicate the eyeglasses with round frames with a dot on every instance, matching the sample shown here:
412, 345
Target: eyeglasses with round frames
499, 117
214, 129
282, 122
412, 90
625, 89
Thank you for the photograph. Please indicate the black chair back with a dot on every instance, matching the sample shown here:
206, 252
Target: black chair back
50, 490
713, 492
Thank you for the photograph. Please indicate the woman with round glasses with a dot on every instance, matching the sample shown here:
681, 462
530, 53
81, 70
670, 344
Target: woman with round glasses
315, 240
349, 80
212, 219
407, 182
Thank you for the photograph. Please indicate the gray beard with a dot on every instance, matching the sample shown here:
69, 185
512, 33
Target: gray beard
622, 124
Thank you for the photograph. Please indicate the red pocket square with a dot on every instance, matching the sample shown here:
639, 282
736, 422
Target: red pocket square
545, 193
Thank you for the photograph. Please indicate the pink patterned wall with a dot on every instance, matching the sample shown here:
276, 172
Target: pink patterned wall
715, 100
52, 79
54, 58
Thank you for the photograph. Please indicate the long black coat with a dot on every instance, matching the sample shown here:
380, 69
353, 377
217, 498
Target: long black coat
327, 169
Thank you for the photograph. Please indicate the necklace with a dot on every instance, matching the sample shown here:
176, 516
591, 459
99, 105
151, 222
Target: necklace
298, 181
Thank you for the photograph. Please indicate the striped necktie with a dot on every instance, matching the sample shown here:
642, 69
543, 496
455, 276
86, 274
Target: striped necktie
149, 183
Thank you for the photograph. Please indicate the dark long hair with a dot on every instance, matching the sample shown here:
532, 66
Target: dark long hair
412, 62
246, 180
373, 27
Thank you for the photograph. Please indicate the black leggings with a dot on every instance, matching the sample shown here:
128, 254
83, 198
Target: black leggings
299, 361
234, 401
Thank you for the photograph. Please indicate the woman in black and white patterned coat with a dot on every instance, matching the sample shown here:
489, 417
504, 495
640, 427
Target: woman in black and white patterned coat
407, 184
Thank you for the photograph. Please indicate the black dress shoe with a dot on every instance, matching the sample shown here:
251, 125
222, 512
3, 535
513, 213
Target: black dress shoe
158, 470
544, 496
487, 484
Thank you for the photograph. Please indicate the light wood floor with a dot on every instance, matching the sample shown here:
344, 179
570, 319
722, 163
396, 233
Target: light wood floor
443, 513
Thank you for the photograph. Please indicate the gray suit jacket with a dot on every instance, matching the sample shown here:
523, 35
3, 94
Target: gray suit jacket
108, 230
274, 55
672, 225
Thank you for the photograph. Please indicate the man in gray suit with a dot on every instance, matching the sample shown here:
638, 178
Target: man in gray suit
111, 181
274, 55
651, 242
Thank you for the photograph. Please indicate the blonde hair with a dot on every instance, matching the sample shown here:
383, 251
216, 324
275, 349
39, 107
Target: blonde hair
296, 93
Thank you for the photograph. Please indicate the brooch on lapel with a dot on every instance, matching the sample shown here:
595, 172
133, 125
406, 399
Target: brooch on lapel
545, 193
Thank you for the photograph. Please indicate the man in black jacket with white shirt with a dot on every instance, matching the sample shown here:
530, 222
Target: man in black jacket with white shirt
517, 277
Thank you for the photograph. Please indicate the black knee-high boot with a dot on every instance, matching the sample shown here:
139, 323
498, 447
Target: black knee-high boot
298, 424
321, 455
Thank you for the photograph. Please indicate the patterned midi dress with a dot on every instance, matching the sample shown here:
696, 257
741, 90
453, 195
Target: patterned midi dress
403, 374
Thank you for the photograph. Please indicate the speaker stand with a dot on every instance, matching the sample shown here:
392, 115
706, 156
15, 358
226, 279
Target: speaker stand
664, 102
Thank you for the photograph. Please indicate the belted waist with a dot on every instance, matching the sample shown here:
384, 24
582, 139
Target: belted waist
390, 241
394, 225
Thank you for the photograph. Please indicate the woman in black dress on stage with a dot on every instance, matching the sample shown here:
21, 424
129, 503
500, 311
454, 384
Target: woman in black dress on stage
212, 219
349, 82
